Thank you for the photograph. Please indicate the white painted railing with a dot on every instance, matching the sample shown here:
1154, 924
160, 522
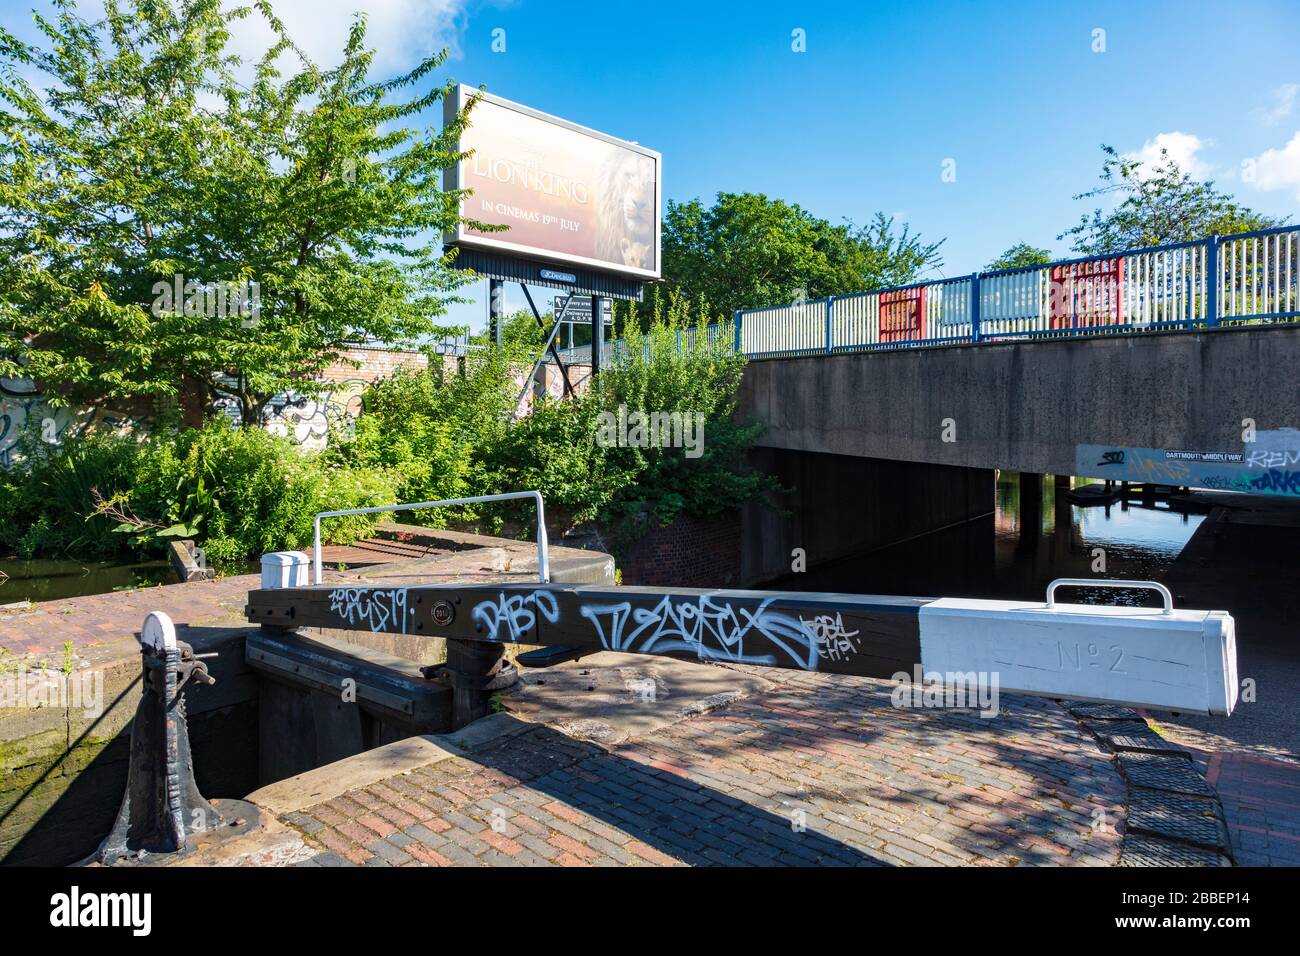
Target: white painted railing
1259, 275
1165, 595
1251, 277
543, 554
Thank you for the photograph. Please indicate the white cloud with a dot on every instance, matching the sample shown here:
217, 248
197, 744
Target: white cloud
1183, 148
1284, 98
1275, 168
399, 31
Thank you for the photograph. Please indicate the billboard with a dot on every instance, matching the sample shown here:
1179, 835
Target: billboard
568, 194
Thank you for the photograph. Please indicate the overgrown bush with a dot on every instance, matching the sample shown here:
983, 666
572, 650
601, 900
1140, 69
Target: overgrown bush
46, 498
423, 436
676, 366
238, 492
244, 491
449, 436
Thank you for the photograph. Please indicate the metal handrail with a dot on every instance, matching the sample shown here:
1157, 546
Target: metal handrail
1186, 285
1110, 583
543, 556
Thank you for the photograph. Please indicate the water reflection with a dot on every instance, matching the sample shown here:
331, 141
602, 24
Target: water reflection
1015, 552
43, 579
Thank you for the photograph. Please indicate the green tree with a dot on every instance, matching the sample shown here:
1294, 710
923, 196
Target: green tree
451, 435
145, 160
1159, 206
1020, 255
747, 250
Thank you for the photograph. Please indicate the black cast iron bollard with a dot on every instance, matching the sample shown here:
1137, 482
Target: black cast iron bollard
163, 811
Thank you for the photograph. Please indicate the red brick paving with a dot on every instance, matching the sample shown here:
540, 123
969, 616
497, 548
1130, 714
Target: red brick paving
103, 618
816, 771
1261, 801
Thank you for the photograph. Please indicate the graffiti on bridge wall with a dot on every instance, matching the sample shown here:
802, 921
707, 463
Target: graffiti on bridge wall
1268, 466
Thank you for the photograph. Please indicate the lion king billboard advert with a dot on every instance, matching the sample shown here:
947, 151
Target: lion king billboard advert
567, 193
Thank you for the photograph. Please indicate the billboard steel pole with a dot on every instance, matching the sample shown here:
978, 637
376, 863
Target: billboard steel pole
597, 333
496, 307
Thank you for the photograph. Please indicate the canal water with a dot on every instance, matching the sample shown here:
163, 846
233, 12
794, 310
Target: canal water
1014, 553
43, 579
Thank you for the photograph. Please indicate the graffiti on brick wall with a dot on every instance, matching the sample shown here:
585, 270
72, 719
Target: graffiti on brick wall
1270, 465
25, 410
306, 420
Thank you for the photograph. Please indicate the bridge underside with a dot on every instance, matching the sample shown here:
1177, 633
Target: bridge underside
1108, 407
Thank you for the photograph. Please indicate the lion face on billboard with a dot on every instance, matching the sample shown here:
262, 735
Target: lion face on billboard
627, 212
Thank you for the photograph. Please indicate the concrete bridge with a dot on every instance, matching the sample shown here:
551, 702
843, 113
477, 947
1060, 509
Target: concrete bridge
888, 411
879, 446
1053, 406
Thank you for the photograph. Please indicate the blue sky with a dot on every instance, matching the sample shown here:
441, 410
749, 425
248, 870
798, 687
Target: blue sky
863, 120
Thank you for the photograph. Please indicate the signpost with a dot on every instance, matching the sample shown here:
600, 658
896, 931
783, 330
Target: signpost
579, 309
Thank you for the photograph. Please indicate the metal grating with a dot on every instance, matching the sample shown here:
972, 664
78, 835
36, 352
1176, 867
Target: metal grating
1131, 735
1177, 816
1153, 851
1162, 772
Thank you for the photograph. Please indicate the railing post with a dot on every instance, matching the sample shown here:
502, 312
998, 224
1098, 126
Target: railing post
830, 343
974, 306
737, 331
1212, 281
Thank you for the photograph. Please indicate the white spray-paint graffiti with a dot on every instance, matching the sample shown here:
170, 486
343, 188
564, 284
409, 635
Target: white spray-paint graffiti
1272, 459
710, 629
306, 420
384, 609
23, 407
834, 642
515, 615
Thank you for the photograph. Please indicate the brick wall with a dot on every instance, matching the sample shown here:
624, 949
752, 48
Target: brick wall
690, 552
306, 421
375, 363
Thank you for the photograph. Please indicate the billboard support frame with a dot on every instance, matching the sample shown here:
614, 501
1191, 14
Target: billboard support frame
550, 345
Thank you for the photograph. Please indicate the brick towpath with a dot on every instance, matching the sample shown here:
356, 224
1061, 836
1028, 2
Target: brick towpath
1246, 559
98, 625
812, 770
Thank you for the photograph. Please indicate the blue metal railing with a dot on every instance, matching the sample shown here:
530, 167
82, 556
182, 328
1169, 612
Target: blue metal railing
1242, 278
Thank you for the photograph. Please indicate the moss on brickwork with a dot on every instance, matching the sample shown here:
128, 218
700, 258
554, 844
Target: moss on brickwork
36, 771
41, 748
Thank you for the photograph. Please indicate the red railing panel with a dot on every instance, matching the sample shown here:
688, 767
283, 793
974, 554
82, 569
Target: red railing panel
902, 314
1087, 294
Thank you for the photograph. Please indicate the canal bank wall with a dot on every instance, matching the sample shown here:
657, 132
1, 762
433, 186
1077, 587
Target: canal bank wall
826, 507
